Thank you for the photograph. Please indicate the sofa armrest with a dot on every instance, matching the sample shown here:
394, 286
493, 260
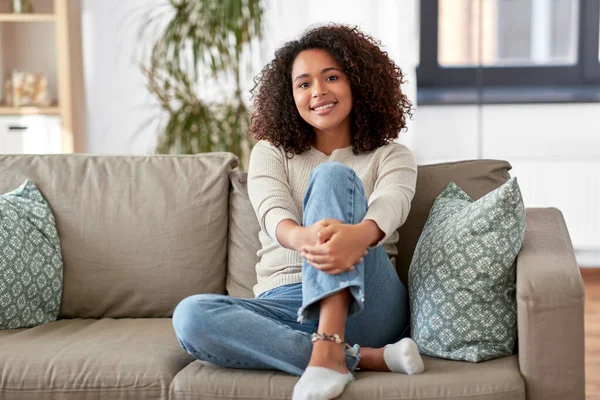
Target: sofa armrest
550, 299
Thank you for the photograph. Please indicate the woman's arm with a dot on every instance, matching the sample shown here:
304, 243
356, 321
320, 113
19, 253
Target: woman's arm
270, 195
394, 189
288, 234
371, 231
294, 236
270, 192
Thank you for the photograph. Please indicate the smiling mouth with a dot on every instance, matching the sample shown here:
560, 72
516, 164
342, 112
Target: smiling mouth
324, 107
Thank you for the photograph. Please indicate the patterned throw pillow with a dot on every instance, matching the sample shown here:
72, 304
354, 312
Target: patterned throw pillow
31, 266
462, 276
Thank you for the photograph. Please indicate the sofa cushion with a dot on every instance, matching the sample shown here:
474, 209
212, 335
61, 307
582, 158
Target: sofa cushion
475, 177
31, 267
492, 380
462, 277
138, 233
243, 242
90, 359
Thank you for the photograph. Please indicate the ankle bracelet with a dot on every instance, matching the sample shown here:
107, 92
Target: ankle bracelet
324, 336
335, 338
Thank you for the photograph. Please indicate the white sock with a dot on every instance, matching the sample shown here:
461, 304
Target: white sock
404, 357
320, 383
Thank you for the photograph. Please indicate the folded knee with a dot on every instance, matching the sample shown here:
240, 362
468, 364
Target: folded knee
331, 170
191, 319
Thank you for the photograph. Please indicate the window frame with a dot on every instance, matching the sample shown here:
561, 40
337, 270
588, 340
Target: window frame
590, 20
587, 70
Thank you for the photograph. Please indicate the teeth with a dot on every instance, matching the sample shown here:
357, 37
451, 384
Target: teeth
323, 107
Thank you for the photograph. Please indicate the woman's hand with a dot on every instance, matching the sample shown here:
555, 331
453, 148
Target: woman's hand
309, 235
338, 248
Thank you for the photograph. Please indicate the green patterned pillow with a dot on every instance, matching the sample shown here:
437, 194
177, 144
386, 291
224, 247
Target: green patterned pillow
462, 277
31, 267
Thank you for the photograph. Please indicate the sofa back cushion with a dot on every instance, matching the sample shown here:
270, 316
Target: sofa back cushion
137, 233
476, 177
243, 240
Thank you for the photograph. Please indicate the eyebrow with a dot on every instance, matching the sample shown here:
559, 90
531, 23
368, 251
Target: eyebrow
324, 70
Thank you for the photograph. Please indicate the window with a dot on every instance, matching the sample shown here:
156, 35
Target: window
509, 43
507, 33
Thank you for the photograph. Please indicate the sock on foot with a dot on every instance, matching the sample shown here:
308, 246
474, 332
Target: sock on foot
404, 357
320, 383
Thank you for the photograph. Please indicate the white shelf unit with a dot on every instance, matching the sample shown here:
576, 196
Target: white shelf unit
46, 41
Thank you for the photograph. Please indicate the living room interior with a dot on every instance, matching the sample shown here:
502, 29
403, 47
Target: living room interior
92, 94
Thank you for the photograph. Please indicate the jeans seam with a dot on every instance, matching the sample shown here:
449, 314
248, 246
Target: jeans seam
354, 186
208, 357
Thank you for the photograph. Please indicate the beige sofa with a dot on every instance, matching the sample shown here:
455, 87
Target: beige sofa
138, 234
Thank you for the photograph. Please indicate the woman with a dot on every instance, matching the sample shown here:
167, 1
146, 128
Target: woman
329, 189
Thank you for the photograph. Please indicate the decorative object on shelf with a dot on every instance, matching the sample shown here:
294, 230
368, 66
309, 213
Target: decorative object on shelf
200, 50
27, 89
8, 93
22, 6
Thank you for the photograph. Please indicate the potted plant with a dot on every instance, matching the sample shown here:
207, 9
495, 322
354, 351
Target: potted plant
200, 50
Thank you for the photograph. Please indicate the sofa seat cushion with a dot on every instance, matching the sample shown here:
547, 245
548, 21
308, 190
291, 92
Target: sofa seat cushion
90, 359
491, 380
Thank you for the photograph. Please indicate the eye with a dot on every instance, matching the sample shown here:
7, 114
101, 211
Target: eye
302, 85
333, 78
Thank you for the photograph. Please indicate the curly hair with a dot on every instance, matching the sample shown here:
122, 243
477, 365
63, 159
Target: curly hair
379, 107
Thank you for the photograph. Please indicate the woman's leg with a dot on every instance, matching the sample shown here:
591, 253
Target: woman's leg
248, 333
372, 294
334, 191
384, 320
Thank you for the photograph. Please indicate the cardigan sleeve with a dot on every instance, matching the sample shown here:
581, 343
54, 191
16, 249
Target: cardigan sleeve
394, 189
268, 188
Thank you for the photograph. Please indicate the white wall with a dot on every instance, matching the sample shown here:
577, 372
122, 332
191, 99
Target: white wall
121, 114
554, 150
118, 104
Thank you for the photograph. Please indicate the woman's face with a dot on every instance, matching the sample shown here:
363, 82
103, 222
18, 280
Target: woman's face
321, 90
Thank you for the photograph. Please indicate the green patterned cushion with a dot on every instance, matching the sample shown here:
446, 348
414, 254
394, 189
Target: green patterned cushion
462, 277
31, 267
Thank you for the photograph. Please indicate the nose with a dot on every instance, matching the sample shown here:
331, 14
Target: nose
318, 88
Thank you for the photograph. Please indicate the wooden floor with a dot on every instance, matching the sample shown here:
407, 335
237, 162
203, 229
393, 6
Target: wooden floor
591, 280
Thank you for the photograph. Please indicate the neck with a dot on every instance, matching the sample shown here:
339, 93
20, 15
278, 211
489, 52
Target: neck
329, 140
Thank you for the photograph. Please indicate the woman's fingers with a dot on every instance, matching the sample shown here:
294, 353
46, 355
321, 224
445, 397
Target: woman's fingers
330, 221
324, 262
316, 259
326, 233
316, 250
320, 249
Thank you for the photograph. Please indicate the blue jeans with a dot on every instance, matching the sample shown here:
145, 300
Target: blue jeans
274, 330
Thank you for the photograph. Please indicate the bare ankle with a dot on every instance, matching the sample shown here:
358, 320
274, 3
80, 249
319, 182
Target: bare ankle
329, 355
372, 359
329, 349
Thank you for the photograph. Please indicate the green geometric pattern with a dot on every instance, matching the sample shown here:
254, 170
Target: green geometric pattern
31, 266
462, 276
